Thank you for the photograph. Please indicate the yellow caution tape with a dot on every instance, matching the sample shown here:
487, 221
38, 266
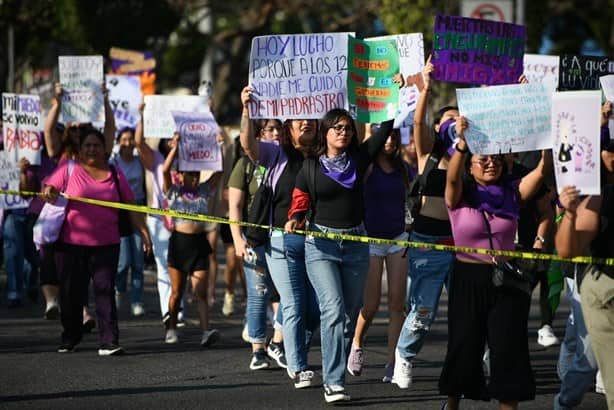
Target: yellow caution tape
328, 235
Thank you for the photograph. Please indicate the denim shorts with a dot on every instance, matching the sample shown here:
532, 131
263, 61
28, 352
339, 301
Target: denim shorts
385, 250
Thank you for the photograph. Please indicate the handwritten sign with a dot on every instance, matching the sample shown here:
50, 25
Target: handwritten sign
198, 147
575, 130
131, 62
506, 118
607, 85
583, 72
125, 97
22, 128
81, 79
158, 120
542, 70
372, 94
298, 76
410, 48
9, 180
477, 51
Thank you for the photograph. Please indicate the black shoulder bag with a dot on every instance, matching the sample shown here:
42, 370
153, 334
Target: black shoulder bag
413, 202
507, 275
260, 212
125, 225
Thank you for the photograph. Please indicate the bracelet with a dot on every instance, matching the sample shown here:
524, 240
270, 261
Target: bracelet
462, 151
541, 239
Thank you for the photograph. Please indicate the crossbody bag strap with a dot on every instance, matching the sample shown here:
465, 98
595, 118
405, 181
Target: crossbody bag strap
489, 234
116, 180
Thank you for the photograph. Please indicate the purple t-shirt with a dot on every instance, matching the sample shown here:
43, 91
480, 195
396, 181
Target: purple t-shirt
85, 224
384, 203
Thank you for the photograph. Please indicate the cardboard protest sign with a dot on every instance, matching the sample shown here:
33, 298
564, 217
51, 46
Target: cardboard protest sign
81, 79
506, 118
125, 97
582, 72
158, 120
22, 128
575, 133
9, 180
298, 76
372, 65
198, 147
477, 51
410, 48
542, 70
607, 85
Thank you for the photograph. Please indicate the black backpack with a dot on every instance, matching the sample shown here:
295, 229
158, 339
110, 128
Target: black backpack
413, 202
261, 211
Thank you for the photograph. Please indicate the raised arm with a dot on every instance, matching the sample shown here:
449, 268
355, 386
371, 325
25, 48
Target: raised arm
109, 121
373, 145
146, 155
168, 163
422, 139
531, 182
454, 178
54, 145
246, 135
580, 223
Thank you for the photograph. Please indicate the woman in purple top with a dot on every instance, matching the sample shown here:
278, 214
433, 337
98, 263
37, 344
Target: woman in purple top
477, 311
386, 182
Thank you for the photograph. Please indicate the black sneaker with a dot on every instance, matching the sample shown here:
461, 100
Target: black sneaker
88, 324
259, 360
110, 350
335, 393
67, 348
276, 352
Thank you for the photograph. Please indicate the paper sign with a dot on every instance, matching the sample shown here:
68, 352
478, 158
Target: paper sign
372, 65
607, 85
158, 120
125, 97
81, 79
506, 118
583, 72
198, 147
9, 180
542, 70
131, 62
298, 76
22, 128
410, 48
477, 51
575, 130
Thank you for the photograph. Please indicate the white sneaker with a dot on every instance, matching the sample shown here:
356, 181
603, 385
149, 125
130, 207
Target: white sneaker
138, 310
334, 393
402, 371
303, 379
229, 304
209, 337
599, 387
171, 336
546, 337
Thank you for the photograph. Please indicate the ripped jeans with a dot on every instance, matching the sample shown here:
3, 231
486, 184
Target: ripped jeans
429, 270
259, 290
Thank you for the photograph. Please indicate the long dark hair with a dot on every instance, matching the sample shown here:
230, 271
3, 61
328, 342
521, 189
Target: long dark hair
328, 121
285, 140
396, 157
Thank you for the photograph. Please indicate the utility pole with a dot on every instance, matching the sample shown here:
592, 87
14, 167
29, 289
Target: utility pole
10, 83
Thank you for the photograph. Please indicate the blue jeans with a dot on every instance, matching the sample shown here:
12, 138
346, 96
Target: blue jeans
17, 247
429, 271
577, 364
286, 260
337, 270
131, 257
259, 287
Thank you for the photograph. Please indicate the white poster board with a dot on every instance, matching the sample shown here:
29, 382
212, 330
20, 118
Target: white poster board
298, 76
22, 127
81, 78
9, 180
411, 62
542, 70
198, 146
124, 97
575, 134
506, 118
158, 120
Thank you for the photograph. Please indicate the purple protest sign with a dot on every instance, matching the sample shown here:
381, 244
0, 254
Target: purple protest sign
477, 51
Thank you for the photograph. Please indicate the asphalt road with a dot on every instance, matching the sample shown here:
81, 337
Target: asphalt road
152, 375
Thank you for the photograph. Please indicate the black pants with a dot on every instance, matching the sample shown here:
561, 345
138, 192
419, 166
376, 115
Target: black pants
478, 313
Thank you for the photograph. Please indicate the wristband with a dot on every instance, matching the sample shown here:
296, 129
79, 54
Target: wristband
541, 239
462, 151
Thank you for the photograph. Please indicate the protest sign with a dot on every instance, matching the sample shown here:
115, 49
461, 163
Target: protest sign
506, 118
198, 147
607, 85
81, 79
124, 97
582, 72
9, 180
372, 94
477, 51
542, 70
410, 48
158, 120
22, 128
131, 62
298, 76
575, 131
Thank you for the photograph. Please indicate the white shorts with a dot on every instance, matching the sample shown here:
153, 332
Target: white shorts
385, 250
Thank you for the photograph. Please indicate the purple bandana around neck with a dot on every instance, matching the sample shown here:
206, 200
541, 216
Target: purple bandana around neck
189, 194
499, 200
340, 169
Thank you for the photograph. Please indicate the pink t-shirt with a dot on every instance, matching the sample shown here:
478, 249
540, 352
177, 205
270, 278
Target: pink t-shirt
469, 229
85, 224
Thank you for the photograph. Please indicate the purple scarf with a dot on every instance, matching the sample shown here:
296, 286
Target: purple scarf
500, 200
189, 194
340, 169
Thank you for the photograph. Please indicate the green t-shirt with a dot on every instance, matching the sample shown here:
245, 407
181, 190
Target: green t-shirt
241, 173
